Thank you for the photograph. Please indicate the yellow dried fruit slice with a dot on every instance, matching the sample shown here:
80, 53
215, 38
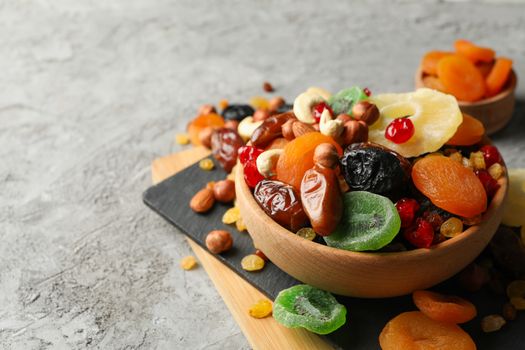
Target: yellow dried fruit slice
435, 115
515, 207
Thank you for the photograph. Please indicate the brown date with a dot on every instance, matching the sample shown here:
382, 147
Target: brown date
224, 146
270, 129
281, 203
322, 199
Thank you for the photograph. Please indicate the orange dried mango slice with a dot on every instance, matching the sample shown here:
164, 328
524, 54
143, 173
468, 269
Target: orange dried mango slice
469, 132
498, 76
450, 185
473, 52
461, 78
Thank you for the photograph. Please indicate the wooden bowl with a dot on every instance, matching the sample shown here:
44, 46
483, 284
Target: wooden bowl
494, 112
360, 274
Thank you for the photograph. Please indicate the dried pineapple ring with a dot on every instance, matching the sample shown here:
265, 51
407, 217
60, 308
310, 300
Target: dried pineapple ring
435, 115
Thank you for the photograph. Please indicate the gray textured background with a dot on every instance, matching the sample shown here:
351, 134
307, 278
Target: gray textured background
92, 91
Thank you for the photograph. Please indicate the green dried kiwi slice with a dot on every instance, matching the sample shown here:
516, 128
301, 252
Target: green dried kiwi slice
304, 306
344, 100
370, 221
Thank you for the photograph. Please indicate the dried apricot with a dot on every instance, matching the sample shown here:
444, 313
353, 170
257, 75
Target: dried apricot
444, 308
414, 330
430, 61
433, 82
469, 132
201, 122
484, 68
298, 157
473, 52
498, 75
461, 78
450, 186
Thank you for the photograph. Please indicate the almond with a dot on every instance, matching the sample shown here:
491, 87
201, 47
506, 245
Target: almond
300, 128
202, 201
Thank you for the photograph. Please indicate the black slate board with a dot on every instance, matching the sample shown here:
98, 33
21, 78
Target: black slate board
366, 317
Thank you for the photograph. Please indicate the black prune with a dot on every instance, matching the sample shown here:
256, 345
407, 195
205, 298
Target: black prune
373, 168
237, 112
281, 203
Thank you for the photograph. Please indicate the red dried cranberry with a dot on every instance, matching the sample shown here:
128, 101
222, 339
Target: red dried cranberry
400, 130
249, 153
367, 91
491, 155
489, 183
421, 234
407, 208
251, 174
318, 110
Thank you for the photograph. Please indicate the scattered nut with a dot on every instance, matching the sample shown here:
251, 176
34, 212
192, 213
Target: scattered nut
365, 111
330, 127
275, 103
188, 262
219, 241
319, 92
355, 131
231, 124
492, 323
224, 191
205, 136
247, 126
267, 87
287, 130
267, 161
261, 114
344, 118
202, 201
326, 155
303, 104
299, 128
207, 109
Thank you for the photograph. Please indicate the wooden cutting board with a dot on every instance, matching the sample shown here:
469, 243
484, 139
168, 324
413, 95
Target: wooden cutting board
238, 295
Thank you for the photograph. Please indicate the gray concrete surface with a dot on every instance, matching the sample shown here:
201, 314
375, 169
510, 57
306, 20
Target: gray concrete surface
92, 91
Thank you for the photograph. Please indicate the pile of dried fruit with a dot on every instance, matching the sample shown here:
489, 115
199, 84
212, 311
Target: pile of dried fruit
390, 171
471, 73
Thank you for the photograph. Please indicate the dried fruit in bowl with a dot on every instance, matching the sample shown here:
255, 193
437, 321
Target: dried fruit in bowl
469, 132
369, 222
304, 306
434, 115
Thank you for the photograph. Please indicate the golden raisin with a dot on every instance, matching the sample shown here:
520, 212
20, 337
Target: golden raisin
496, 170
252, 262
258, 102
240, 225
261, 309
188, 262
492, 323
182, 139
231, 216
206, 164
307, 233
477, 160
456, 156
451, 228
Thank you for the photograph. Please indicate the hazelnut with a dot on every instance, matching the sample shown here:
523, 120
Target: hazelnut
207, 109
224, 191
202, 201
219, 241
344, 118
231, 124
365, 111
326, 155
267, 87
205, 136
287, 130
354, 131
260, 114
275, 103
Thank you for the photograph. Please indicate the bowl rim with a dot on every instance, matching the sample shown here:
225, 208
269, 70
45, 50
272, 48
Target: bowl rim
512, 82
414, 254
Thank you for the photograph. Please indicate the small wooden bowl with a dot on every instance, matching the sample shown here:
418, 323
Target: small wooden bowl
360, 274
494, 112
